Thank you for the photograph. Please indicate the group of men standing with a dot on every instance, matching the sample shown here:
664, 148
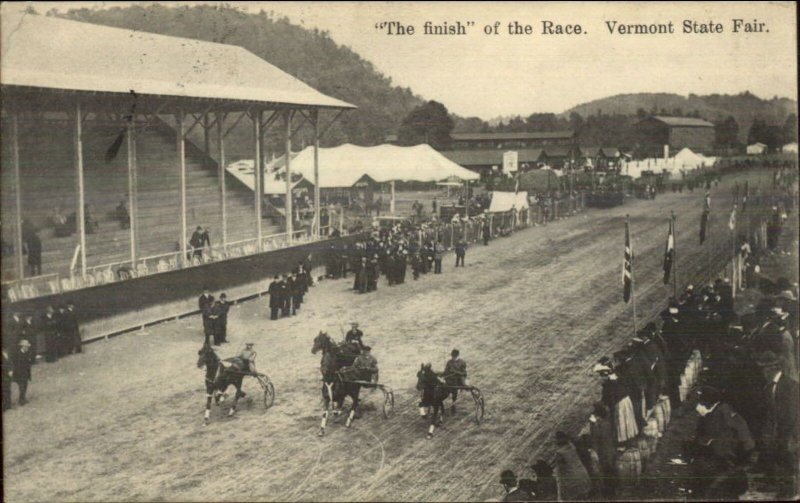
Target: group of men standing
215, 316
287, 292
54, 334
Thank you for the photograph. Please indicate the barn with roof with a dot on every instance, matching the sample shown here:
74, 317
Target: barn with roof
677, 132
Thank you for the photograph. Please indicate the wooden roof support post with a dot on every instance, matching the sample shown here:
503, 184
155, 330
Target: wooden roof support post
18, 258
317, 222
78, 145
222, 172
258, 171
287, 117
181, 147
132, 190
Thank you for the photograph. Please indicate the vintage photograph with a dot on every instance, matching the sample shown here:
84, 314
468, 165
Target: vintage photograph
406, 251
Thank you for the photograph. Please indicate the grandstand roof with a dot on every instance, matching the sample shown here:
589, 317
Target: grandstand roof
48, 53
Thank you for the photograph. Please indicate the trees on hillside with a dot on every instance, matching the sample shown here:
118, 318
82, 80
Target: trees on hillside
429, 123
726, 133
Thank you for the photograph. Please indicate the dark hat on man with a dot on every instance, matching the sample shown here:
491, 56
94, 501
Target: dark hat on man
767, 359
707, 395
366, 348
508, 477
454, 353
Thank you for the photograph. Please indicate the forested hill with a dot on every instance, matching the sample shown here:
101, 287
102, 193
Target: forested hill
744, 107
310, 55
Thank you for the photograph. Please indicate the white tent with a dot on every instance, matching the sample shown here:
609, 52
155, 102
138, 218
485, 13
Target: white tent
789, 148
243, 171
506, 201
344, 165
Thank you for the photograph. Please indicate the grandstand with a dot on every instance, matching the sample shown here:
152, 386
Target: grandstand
48, 181
72, 107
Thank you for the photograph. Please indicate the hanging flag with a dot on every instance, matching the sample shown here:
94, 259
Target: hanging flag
627, 266
732, 220
669, 251
703, 225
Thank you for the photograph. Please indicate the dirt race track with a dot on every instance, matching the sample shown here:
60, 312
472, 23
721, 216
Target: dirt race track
530, 314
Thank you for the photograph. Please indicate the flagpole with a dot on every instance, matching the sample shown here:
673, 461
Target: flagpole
633, 283
674, 258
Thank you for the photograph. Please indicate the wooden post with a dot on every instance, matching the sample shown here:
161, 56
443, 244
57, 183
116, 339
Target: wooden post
287, 117
18, 258
391, 209
222, 176
258, 171
81, 214
317, 230
132, 185
181, 147
206, 138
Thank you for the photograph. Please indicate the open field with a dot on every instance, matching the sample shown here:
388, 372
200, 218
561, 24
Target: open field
530, 314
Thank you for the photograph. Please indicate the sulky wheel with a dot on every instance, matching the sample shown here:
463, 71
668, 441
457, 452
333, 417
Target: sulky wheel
269, 390
388, 402
477, 397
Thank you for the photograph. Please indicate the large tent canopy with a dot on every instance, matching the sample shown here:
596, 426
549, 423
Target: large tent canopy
685, 160
346, 164
42, 52
506, 201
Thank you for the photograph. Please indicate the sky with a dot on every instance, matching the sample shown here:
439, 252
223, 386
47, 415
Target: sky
491, 75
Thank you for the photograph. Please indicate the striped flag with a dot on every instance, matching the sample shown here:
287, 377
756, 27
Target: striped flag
669, 251
732, 220
627, 265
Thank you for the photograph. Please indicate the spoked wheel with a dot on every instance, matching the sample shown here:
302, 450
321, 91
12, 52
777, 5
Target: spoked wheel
477, 397
268, 388
388, 401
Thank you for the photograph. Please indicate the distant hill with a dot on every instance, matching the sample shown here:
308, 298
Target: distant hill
310, 55
744, 107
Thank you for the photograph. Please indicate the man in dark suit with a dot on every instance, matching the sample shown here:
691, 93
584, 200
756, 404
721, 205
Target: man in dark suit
71, 329
52, 337
274, 297
8, 374
205, 302
721, 448
291, 295
12, 329
21, 365
219, 316
286, 300
196, 242
354, 335
779, 435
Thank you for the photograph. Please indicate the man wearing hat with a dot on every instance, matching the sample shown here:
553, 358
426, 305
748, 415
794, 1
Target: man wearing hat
354, 335
21, 363
366, 365
205, 302
455, 374
8, 374
508, 479
779, 433
219, 318
275, 300
722, 446
248, 357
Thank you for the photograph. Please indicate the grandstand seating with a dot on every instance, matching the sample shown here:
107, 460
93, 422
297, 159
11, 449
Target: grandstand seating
48, 180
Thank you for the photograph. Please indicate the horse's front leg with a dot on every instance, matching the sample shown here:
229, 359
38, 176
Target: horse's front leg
353, 410
207, 416
327, 394
236, 396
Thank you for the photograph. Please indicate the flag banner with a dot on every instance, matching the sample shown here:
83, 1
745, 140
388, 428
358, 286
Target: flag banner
627, 266
669, 252
703, 225
732, 220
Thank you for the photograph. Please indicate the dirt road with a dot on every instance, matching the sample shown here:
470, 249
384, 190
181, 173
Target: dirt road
530, 314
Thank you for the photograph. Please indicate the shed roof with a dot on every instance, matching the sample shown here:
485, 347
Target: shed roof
490, 157
56, 54
543, 135
682, 121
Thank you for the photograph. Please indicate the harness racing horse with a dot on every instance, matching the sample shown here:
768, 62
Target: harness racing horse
218, 380
334, 358
434, 392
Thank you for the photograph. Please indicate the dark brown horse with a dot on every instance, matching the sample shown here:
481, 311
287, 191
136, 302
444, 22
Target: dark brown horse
218, 380
335, 357
434, 393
